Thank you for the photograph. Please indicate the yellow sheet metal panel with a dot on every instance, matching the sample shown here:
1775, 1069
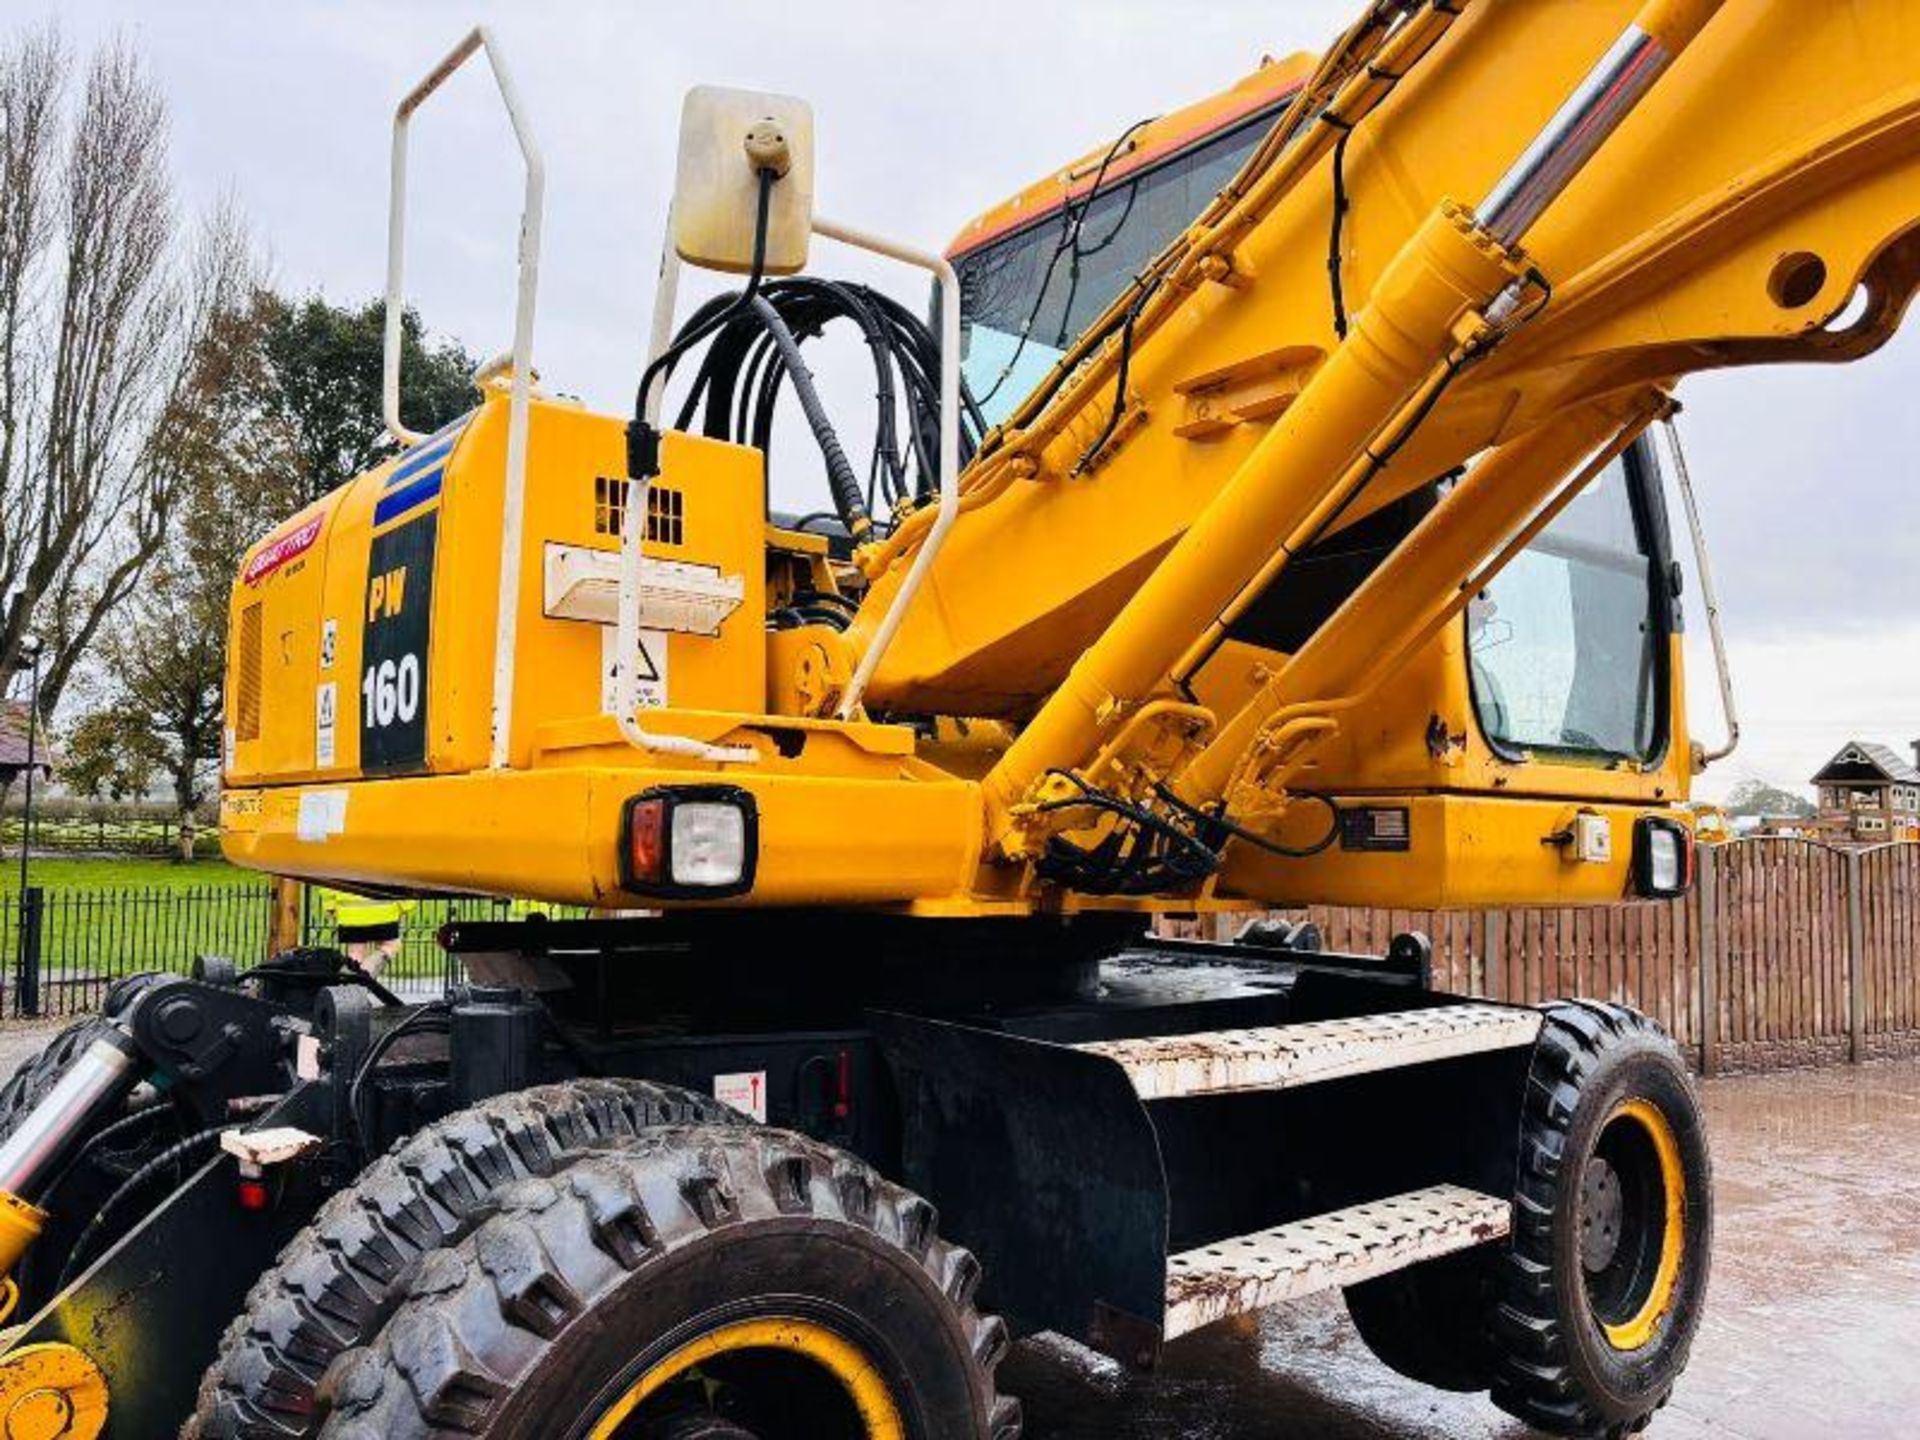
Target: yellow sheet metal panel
274, 649
706, 510
554, 834
375, 609
1458, 851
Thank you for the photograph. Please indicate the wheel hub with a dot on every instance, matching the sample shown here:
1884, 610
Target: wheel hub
1601, 1210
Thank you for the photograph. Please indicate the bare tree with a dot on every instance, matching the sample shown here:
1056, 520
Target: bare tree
102, 308
235, 463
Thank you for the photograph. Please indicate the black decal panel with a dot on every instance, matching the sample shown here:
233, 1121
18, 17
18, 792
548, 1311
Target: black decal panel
393, 654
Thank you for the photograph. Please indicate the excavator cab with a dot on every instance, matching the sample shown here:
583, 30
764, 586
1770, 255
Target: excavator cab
1562, 681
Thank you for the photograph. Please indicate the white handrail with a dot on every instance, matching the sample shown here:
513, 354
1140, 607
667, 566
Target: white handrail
949, 441
633, 530
1707, 598
513, 508
666, 296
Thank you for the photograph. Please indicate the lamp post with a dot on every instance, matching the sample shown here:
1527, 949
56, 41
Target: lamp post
30, 652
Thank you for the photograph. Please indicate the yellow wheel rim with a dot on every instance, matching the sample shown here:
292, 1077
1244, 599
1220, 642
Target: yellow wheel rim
1637, 1329
51, 1392
842, 1359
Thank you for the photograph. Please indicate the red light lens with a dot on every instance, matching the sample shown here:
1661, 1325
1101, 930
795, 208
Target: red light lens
253, 1195
647, 840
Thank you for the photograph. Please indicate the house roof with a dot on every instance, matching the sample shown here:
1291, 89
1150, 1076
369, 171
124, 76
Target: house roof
1857, 755
13, 740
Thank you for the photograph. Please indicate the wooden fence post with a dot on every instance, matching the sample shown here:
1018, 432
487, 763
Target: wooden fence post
1856, 957
1706, 952
1493, 956
283, 929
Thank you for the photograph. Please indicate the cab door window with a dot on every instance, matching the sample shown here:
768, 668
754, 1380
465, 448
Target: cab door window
1567, 647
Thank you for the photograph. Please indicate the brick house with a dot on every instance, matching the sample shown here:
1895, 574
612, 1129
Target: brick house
1868, 795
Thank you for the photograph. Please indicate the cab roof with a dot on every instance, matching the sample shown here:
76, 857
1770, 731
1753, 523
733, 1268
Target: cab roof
1159, 138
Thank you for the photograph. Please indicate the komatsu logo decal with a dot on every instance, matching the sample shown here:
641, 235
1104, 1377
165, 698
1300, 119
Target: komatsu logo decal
279, 550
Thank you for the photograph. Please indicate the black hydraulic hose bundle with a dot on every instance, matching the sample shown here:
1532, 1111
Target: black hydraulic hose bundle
756, 351
841, 481
756, 334
177, 1154
643, 441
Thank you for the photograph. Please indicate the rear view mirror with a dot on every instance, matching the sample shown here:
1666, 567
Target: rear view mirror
726, 138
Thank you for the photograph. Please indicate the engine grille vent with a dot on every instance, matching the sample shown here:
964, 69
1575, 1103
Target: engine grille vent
666, 510
666, 515
246, 709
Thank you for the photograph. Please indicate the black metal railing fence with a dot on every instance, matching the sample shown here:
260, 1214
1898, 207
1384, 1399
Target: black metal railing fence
64, 948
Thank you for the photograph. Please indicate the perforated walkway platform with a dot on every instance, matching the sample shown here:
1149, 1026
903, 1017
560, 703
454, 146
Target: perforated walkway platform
1279, 1057
1341, 1247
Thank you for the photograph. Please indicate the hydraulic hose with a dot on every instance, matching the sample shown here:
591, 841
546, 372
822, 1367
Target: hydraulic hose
841, 479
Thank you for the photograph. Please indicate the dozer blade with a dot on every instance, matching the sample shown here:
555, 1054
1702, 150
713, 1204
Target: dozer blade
1322, 1252
1282, 1057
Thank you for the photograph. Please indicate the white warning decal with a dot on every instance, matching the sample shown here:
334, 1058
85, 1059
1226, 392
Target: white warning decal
745, 1092
326, 708
650, 679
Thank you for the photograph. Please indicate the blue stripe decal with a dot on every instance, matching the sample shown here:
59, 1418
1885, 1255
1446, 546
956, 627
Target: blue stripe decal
420, 459
398, 502
435, 447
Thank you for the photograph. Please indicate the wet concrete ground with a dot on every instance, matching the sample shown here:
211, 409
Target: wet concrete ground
1812, 1326
1812, 1329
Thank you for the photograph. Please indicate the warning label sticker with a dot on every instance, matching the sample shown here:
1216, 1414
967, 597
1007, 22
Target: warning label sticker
745, 1092
650, 670
326, 707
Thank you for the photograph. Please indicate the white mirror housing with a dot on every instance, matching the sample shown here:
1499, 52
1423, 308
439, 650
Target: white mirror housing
726, 137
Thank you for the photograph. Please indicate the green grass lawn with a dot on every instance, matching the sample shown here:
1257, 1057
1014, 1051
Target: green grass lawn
122, 873
107, 917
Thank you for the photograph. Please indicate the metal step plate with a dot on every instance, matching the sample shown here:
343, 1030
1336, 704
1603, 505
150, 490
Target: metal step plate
1342, 1247
1278, 1057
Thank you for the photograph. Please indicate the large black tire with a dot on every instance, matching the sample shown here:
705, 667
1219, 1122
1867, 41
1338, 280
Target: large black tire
1604, 1082
339, 1280
590, 1284
1429, 1322
37, 1074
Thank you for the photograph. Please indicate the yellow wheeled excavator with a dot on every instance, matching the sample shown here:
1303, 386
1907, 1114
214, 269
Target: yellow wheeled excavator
1264, 513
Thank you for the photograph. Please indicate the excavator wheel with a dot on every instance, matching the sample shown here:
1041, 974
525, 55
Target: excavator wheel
696, 1283
339, 1280
1606, 1270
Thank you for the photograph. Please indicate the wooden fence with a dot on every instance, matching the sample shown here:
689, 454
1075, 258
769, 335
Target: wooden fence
1786, 952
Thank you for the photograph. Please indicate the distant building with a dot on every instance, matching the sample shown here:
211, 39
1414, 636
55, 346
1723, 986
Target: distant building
1868, 795
13, 745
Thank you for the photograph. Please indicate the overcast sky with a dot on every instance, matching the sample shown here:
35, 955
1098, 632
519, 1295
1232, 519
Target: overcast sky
926, 114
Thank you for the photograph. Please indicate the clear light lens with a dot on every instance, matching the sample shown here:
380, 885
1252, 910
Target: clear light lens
709, 844
1665, 873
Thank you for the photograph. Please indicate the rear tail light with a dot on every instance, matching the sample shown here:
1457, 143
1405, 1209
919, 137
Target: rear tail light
695, 841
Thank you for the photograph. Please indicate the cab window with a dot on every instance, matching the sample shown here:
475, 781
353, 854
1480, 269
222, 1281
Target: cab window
1567, 647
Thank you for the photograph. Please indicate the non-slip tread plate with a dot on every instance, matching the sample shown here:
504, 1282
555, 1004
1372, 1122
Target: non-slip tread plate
1278, 1057
1341, 1247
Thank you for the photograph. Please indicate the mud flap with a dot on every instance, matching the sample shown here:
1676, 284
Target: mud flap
1045, 1164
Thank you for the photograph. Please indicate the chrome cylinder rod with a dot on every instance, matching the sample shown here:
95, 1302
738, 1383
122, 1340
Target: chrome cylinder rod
1581, 125
98, 1077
